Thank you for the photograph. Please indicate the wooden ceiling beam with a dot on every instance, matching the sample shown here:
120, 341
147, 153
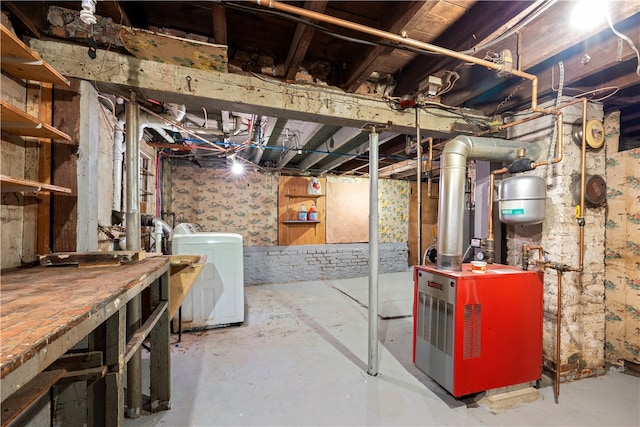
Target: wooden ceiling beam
219, 16
24, 18
481, 20
367, 61
113, 9
602, 53
301, 41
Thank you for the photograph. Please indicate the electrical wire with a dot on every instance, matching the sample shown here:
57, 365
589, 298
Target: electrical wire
512, 31
625, 38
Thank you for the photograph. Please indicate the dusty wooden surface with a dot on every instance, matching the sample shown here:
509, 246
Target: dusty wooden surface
39, 305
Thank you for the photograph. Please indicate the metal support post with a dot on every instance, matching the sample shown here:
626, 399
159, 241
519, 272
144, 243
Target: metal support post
373, 252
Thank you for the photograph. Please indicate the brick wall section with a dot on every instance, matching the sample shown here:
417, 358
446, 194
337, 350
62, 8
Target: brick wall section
583, 334
318, 262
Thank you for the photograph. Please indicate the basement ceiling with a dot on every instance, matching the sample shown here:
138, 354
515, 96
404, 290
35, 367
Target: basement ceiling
287, 46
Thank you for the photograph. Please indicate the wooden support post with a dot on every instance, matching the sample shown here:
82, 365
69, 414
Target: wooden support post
160, 355
114, 358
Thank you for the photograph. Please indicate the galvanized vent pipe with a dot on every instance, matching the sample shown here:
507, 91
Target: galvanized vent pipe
453, 163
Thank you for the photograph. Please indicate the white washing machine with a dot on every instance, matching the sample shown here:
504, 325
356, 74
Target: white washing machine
217, 296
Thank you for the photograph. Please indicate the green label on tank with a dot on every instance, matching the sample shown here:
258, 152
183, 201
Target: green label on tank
512, 211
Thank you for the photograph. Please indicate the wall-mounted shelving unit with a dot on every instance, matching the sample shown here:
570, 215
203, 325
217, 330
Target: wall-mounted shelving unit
292, 191
19, 61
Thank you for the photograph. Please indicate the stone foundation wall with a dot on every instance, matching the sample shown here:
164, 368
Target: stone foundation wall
582, 325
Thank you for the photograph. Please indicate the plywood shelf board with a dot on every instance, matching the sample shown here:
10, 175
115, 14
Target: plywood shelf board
291, 221
11, 184
22, 62
18, 122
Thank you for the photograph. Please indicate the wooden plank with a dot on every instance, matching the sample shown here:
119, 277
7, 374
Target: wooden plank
348, 211
237, 92
141, 334
183, 275
145, 44
92, 258
44, 172
160, 363
10, 184
22, 62
89, 374
116, 339
77, 361
64, 208
18, 122
27, 394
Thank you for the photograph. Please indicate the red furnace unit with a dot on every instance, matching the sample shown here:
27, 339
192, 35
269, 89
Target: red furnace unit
478, 331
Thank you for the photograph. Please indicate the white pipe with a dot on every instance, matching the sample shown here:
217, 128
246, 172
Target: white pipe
373, 253
145, 120
118, 157
158, 233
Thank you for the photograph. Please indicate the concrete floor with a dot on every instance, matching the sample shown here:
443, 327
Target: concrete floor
301, 359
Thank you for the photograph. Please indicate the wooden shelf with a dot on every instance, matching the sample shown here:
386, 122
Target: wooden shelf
22, 62
11, 184
16, 121
304, 196
294, 221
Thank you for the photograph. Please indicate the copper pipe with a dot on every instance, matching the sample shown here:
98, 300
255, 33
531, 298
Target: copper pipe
583, 173
558, 336
402, 40
430, 167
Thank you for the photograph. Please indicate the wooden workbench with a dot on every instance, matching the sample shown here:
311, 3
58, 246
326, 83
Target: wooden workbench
45, 311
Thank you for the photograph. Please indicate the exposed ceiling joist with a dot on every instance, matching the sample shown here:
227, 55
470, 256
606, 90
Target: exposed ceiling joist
340, 138
364, 148
301, 41
366, 61
300, 133
219, 16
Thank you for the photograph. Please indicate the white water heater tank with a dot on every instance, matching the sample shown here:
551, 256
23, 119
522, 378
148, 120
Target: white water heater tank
522, 200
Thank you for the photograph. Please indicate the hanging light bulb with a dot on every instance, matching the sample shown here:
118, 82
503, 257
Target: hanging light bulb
87, 13
587, 14
237, 168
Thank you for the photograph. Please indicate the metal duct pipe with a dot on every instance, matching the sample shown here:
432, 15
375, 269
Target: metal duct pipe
453, 163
